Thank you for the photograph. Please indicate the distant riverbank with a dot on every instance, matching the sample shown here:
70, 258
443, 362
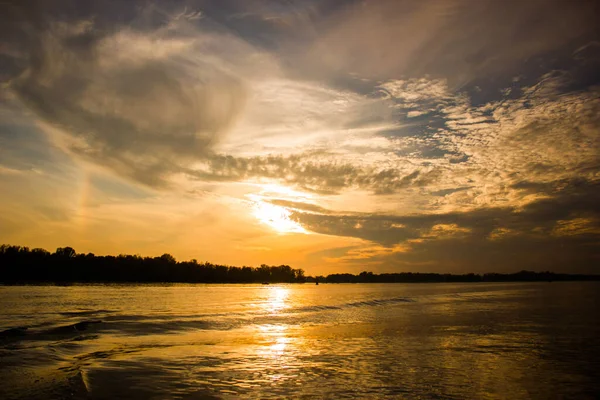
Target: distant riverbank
21, 265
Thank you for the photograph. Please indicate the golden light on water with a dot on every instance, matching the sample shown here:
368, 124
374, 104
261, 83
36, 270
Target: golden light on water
280, 344
277, 300
274, 335
275, 338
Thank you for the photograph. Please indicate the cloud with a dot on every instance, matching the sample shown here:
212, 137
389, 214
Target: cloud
547, 133
534, 235
283, 115
186, 96
320, 173
474, 157
149, 100
143, 103
299, 206
458, 39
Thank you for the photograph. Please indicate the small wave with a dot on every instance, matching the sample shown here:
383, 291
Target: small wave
354, 304
380, 302
136, 327
168, 317
23, 332
78, 327
14, 332
150, 327
84, 313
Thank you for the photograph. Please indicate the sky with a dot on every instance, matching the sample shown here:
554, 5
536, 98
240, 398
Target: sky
334, 136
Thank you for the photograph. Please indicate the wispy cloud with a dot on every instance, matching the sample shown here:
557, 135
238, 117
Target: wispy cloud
144, 105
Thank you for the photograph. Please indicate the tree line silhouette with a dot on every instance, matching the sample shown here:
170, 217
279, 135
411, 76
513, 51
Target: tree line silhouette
23, 265
419, 277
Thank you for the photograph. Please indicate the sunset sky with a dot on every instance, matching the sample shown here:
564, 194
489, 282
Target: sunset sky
334, 136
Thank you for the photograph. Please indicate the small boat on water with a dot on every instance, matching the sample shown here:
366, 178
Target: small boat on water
266, 283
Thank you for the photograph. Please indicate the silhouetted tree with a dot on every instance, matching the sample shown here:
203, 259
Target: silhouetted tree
66, 252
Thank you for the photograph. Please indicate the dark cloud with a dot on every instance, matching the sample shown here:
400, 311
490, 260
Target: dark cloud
573, 254
389, 230
459, 39
556, 231
567, 200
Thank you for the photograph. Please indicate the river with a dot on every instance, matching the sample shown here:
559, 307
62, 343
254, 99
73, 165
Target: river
405, 341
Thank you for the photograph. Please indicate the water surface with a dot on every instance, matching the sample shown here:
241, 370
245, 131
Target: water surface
412, 341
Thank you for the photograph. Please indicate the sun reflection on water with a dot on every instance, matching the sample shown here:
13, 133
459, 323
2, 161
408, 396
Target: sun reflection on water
275, 337
276, 300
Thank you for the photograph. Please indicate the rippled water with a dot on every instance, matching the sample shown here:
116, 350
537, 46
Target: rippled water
301, 341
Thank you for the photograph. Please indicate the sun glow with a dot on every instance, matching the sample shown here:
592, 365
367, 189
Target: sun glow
276, 217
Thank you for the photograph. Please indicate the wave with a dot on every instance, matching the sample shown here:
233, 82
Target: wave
24, 332
14, 332
354, 304
133, 324
77, 327
84, 313
135, 327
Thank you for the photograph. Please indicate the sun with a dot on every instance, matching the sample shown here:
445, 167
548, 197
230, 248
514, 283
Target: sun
276, 217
